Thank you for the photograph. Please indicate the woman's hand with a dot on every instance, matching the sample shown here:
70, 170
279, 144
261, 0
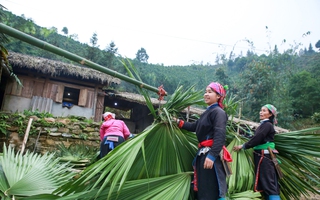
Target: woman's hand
175, 120
208, 164
237, 148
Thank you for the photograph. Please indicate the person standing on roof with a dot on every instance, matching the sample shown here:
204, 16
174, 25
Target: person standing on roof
113, 132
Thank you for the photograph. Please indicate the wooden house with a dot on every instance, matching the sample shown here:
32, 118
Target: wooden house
65, 89
56, 87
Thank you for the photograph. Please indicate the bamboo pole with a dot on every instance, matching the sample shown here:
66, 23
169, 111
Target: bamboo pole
238, 128
26, 135
49, 47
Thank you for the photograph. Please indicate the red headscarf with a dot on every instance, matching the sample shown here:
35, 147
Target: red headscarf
218, 88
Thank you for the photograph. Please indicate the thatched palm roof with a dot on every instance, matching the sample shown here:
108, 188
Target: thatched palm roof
137, 98
56, 68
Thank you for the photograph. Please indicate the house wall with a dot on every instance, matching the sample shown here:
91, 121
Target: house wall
37, 91
59, 111
15, 103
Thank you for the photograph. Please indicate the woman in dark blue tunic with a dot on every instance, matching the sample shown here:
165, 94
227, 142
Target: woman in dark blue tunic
266, 180
209, 175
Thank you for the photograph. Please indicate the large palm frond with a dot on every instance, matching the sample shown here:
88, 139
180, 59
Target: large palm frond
30, 174
299, 154
176, 186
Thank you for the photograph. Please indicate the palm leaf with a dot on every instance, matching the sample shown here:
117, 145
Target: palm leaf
176, 186
298, 151
31, 174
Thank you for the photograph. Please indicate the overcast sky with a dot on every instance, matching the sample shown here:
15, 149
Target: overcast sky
180, 32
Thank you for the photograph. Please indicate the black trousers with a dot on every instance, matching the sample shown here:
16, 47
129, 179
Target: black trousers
104, 148
209, 179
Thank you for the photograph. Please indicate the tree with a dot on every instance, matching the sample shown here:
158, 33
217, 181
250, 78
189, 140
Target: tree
318, 45
65, 30
74, 36
304, 91
112, 48
258, 82
222, 76
110, 53
142, 56
94, 40
4, 63
275, 51
94, 50
310, 49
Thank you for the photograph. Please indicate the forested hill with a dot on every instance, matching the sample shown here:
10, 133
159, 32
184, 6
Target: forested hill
288, 79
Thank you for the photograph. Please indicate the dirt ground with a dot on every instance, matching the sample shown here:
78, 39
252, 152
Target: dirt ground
312, 197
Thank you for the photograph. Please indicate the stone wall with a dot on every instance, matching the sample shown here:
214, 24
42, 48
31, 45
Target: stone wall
46, 138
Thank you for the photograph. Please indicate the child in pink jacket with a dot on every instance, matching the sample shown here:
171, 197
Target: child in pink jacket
112, 133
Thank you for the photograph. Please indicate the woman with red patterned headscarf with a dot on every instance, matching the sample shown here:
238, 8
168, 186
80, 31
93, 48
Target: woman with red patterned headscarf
209, 175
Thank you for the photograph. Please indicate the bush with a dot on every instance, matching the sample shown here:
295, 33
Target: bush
316, 117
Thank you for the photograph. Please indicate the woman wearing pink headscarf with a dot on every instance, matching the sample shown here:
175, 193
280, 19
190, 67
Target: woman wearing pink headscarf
266, 180
112, 133
209, 175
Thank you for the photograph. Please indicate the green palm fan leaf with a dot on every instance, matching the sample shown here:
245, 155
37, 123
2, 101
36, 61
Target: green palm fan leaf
31, 174
298, 154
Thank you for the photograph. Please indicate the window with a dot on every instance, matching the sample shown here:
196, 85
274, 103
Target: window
71, 95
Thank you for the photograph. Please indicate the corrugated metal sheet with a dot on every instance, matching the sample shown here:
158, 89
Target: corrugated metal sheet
41, 104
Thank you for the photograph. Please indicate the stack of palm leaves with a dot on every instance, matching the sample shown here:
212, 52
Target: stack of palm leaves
77, 155
240, 183
156, 164
299, 154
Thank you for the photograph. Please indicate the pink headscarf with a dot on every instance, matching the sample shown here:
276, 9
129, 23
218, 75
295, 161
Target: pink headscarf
218, 88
